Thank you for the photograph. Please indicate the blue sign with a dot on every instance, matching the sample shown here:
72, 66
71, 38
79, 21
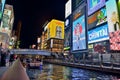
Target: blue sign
98, 34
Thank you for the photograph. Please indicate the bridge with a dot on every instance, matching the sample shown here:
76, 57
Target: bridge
30, 51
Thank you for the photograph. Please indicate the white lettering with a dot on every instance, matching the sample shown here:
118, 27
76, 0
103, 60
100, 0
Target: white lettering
97, 34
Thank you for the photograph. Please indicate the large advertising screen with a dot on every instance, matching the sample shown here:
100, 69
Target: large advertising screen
94, 5
79, 30
98, 34
112, 14
55, 29
97, 18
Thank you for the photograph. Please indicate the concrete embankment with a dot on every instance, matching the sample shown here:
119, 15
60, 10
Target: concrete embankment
106, 69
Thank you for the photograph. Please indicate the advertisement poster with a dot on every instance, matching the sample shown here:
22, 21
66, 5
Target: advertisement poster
98, 34
79, 39
55, 29
115, 40
112, 14
94, 5
97, 18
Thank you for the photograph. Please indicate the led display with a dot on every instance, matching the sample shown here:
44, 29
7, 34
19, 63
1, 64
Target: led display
94, 5
97, 18
55, 29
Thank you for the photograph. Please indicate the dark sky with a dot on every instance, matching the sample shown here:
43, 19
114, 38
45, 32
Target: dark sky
33, 14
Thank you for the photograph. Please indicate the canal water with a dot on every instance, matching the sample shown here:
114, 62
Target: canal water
57, 72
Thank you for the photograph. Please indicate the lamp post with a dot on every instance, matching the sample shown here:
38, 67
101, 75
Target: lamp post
38, 42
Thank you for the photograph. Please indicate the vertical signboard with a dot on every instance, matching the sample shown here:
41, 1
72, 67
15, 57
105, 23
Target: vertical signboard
68, 8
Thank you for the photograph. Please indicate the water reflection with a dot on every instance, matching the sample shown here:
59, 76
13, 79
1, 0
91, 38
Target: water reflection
56, 72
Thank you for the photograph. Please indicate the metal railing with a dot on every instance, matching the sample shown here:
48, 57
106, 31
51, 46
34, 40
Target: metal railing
108, 60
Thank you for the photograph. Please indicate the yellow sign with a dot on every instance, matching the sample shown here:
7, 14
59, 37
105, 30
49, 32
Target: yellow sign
55, 29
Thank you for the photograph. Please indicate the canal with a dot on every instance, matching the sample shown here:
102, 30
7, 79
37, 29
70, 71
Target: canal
57, 72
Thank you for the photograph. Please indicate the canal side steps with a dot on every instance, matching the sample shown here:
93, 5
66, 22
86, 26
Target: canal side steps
15, 72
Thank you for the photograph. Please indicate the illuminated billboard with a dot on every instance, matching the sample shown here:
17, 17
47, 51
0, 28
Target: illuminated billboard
7, 20
115, 40
112, 14
79, 30
55, 29
68, 8
2, 3
94, 5
98, 34
68, 22
97, 18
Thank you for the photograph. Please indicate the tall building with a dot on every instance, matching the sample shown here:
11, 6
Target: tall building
6, 25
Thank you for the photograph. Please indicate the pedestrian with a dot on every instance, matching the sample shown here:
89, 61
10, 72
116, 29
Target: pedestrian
3, 57
41, 65
11, 59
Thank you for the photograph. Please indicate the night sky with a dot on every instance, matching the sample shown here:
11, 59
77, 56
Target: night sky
33, 14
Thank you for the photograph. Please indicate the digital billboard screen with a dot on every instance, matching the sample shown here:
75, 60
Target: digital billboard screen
97, 18
112, 14
98, 34
79, 31
94, 5
115, 40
